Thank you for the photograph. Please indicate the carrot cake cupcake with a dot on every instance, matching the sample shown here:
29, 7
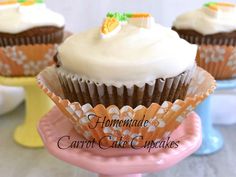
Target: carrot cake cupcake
129, 60
213, 28
29, 22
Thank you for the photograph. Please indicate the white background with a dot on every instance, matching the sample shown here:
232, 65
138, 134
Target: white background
83, 14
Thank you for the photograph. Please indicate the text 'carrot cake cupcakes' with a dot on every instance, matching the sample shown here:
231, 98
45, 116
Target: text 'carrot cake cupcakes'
130, 60
213, 28
29, 35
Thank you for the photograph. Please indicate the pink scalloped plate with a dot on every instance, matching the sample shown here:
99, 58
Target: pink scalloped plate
118, 162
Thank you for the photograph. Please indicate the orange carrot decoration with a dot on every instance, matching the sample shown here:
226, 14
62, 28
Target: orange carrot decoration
215, 6
226, 4
114, 21
140, 15
109, 25
28, 3
8, 2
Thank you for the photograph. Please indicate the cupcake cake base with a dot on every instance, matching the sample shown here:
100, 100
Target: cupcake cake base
76, 89
38, 35
195, 37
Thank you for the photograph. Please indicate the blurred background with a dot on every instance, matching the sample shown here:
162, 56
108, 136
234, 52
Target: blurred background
83, 14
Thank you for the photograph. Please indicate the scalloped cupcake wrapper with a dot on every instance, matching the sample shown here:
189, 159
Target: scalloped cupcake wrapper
26, 60
52, 38
163, 119
84, 91
218, 60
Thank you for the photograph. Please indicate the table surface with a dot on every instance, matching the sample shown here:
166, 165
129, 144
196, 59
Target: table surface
22, 162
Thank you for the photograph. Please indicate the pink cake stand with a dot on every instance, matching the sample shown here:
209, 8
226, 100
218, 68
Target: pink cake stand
118, 162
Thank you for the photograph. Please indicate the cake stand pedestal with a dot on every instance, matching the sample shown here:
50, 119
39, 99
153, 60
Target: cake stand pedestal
37, 105
118, 162
212, 138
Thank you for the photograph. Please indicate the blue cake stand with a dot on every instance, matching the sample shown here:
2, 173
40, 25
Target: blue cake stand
212, 138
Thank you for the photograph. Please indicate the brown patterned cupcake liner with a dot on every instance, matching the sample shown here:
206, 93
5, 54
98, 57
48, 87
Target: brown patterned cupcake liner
219, 60
30, 38
194, 37
163, 118
208, 40
76, 89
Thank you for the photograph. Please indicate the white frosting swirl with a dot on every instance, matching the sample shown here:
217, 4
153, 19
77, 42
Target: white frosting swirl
17, 18
207, 21
134, 56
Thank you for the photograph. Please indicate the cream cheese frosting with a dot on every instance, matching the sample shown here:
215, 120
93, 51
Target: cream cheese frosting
16, 18
133, 56
207, 20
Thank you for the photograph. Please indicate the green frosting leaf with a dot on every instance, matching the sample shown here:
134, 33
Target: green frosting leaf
122, 17
39, 1
210, 3
129, 15
21, 1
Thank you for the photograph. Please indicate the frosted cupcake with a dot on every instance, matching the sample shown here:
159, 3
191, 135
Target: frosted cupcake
29, 22
130, 60
213, 28
29, 35
128, 70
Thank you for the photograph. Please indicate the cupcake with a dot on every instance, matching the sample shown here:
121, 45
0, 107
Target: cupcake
111, 79
213, 28
26, 22
130, 60
29, 34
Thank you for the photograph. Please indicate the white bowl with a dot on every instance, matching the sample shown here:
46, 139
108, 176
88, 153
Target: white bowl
10, 98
